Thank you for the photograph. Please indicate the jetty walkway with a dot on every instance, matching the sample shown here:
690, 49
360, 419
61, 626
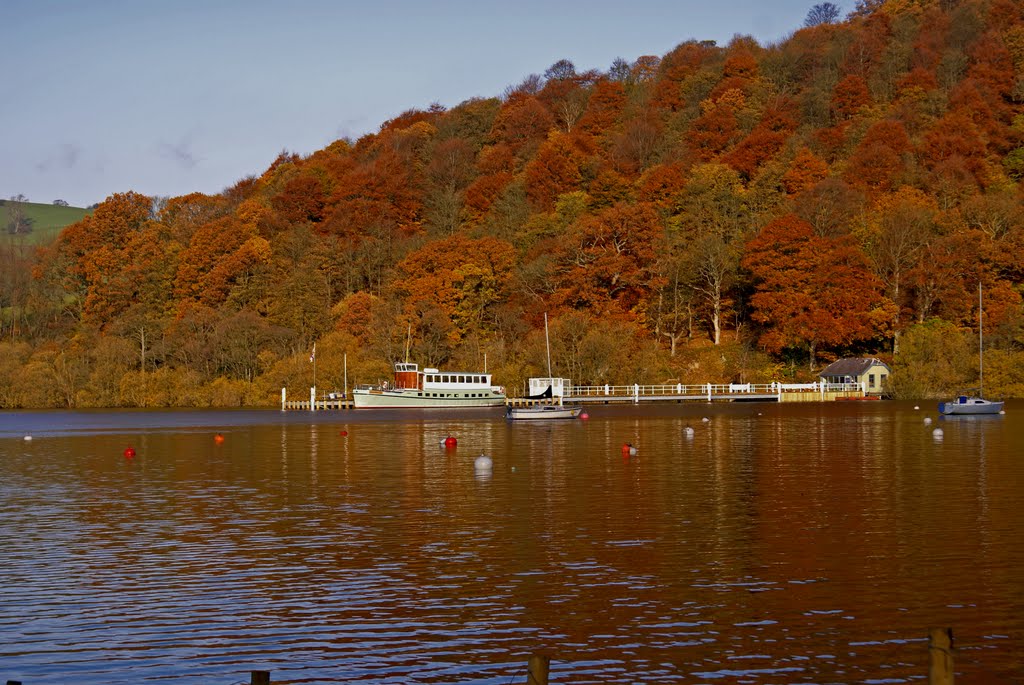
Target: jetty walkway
638, 394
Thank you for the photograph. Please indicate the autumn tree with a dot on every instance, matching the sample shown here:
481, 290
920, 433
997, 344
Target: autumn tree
605, 263
898, 230
554, 170
460, 277
811, 292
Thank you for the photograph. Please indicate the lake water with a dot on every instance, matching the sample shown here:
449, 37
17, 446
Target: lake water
809, 543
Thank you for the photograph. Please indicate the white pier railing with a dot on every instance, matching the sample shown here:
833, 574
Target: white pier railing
709, 391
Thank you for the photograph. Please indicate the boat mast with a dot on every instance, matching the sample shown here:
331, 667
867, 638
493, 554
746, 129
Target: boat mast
408, 341
981, 347
547, 346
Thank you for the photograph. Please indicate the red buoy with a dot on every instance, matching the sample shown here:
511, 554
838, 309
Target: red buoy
129, 452
625, 448
450, 442
218, 438
584, 416
342, 433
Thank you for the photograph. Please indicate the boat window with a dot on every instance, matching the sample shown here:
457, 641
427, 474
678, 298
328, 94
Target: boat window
462, 379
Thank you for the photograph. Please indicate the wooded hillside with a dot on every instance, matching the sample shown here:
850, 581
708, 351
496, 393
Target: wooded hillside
738, 212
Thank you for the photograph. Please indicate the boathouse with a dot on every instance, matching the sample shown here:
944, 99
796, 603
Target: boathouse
872, 373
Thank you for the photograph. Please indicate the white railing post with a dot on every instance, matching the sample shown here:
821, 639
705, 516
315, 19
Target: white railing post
606, 390
284, 398
709, 392
636, 393
312, 398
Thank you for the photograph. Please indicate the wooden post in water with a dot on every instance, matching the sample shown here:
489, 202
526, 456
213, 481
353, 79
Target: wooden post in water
940, 656
13, 682
260, 678
537, 671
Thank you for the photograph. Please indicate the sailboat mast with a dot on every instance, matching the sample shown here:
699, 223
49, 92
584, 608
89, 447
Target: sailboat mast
981, 346
547, 345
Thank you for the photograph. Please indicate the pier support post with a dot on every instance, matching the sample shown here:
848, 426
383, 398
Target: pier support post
940, 656
260, 678
284, 398
537, 672
312, 398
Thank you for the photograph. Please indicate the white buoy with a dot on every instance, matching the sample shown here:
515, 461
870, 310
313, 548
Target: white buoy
28, 437
688, 431
483, 463
705, 419
937, 434
927, 420
916, 407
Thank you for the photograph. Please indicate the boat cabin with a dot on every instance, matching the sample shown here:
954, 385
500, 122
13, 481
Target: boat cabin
409, 377
872, 374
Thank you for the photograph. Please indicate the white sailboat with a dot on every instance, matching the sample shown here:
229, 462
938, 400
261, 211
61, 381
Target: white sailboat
550, 409
974, 404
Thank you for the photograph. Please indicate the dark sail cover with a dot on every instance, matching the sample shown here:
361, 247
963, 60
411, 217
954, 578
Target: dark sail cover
546, 395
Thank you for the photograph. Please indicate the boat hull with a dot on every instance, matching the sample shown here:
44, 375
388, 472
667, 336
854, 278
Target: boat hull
543, 413
411, 399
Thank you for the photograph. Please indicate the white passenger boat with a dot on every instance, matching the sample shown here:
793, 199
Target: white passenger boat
430, 388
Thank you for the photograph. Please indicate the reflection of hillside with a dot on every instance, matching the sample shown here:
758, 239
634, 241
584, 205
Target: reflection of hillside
773, 536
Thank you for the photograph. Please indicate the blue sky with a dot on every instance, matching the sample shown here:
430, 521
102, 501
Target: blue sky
167, 97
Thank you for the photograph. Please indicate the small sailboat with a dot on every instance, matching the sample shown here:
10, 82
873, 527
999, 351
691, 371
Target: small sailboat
974, 404
549, 409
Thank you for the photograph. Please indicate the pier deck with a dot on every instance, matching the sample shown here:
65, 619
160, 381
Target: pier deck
637, 394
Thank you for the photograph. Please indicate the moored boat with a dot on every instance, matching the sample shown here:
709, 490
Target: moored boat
544, 412
969, 405
966, 404
429, 388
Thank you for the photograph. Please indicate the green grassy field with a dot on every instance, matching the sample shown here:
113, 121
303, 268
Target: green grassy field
47, 220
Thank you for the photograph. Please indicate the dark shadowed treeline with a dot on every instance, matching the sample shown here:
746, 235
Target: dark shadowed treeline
719, 213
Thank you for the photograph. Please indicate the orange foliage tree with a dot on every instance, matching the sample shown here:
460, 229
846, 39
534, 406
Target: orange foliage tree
606, 262
461, 278
812, 292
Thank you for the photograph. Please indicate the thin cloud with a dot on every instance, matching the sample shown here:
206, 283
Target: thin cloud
180, 153
66, 157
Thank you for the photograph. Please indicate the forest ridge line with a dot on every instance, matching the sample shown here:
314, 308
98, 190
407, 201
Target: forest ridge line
720, 213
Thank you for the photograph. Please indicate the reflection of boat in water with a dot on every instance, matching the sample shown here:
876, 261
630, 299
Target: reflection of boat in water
544, 411
974, 405
430, 388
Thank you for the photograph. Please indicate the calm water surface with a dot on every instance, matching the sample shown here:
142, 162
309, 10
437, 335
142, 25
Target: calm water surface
780, 544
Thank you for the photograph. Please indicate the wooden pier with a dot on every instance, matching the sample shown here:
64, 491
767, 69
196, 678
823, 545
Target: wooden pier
638, 394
